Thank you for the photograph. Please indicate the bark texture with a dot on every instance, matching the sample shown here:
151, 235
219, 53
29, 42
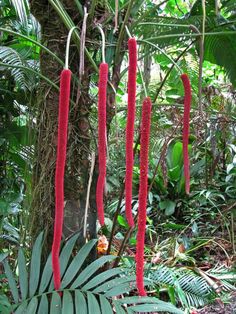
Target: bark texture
54, 36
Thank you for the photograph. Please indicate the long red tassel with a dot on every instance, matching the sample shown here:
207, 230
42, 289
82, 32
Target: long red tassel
187, 107
132, 44
102, 94
64, 100
143, 184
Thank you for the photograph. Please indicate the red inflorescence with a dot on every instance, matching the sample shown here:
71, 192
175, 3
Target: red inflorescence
143, 184
64, 100
132, 44
102, 95
187, 107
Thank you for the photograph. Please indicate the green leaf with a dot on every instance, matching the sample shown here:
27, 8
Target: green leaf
122, 221
196, 168
32, 307
65, 256
11, 281
5, 306
118, 308
66, 252
105, 305
169, 207
3, 256
23, 280
67, 305
175, 173
121, 289
43, 305
46, 275
76, 264
149, 308
138, 299
22, 308
93, 305
101, 278
35, 265
80, 303
173, 226
91, 269
114, 283
215, 47
171, 293
177, 155
55, 307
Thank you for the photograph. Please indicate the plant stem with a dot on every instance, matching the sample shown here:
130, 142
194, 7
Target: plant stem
80, 7
122, 32
169, 71
66, 19
33, 42
117, 212
192, 35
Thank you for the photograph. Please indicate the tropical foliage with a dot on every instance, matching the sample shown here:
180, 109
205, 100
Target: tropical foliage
83, 289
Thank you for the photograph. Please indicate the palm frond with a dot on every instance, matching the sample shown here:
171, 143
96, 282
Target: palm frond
21, 76
189, 287
22, 10
85, 289
221, 50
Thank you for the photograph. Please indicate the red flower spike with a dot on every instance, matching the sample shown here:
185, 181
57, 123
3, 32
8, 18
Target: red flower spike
102, 95
187, 107
132, 44
64, 101
143, 184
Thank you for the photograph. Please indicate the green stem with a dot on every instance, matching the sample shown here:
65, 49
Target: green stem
169, 71
51, 83
162, 51
148, 12
80, 7
111, 16
201, 59
192, 35
164, 24
32, 71
68, 22
92, 10
33, 42
122, 32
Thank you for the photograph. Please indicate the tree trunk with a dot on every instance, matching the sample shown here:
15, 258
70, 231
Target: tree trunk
54, 36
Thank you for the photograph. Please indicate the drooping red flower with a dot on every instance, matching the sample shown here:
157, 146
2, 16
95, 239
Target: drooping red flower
132, 72
102, 95
143, 185
64, 101
187, 107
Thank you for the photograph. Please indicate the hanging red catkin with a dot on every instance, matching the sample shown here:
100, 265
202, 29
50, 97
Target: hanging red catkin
64, 100
102, 94
143, 183
187, 107
132, 44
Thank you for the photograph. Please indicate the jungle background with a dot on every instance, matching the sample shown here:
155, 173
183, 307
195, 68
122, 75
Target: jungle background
190, 240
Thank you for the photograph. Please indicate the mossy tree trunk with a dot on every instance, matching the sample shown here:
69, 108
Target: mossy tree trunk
54, 36
80, 140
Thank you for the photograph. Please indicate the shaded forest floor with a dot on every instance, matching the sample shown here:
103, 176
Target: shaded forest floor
218, 307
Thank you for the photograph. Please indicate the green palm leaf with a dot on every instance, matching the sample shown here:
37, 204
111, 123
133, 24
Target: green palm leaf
96, 291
